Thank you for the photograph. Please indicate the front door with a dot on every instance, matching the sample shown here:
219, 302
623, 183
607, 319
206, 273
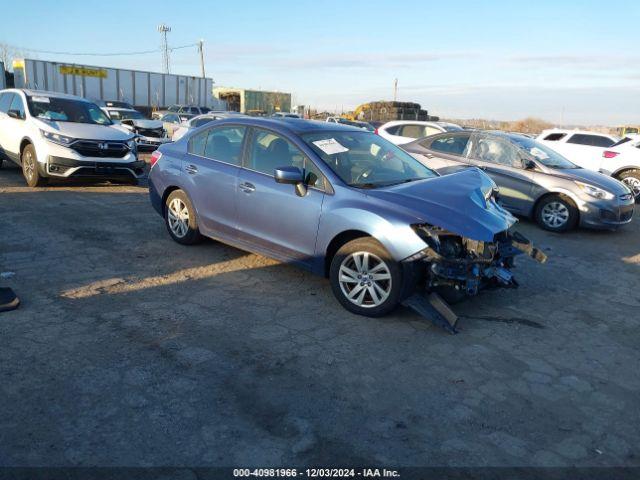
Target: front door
272, 216
210, 172
502, 162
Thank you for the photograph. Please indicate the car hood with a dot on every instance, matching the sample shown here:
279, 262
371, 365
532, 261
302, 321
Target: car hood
456, 202
149, 124
593, 178
84, 131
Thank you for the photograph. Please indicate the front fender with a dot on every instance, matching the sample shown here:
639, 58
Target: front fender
396, 236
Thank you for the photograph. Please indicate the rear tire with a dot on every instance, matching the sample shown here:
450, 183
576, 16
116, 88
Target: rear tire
30, 169
180, 219
365, 279
556, 213
631, 178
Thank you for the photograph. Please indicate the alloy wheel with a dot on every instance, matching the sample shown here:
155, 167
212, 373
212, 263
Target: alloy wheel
365, 279
28, 165
555, 214
178, 216
634, 184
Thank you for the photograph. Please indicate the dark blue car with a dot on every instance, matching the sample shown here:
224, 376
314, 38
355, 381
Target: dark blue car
339, 201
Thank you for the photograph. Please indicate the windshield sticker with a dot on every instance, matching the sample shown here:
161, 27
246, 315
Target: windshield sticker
53, 116
536, 152
330, 146
40, 99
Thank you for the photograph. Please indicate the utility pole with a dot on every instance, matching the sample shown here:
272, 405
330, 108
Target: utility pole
164, 29
201, 49
395, 90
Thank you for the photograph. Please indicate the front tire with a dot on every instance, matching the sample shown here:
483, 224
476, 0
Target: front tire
365, 279
556, 213
180, 219
30, 169
631, 178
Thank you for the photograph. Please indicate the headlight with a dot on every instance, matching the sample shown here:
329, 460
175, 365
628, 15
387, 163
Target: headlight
595, 192
57, 138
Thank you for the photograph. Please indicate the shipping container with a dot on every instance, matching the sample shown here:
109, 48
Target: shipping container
145, 90
253, 102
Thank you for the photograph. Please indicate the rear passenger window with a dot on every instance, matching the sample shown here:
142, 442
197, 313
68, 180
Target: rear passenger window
225, 144
590, 140
412, 131
453, 145
554, 137
5, 101
197, 143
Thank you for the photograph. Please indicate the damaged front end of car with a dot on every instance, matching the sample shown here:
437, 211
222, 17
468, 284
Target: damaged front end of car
457, 266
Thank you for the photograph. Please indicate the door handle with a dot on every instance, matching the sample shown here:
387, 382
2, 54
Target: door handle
247, 187
428, 155
192, 169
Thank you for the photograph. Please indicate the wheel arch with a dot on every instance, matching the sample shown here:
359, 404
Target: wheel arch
621, 170
555, 193
338, 241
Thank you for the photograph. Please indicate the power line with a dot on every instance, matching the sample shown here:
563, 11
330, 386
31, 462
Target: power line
96, 54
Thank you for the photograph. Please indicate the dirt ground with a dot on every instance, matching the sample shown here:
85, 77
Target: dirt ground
131, 350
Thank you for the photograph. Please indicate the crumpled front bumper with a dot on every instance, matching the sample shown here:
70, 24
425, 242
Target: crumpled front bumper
482, 265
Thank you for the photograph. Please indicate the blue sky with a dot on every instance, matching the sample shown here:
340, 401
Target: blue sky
572, 60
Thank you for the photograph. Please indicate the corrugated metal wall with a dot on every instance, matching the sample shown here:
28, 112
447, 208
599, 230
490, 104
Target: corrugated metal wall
140, 88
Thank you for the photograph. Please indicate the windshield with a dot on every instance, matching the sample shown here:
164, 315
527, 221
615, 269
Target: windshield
366, 160
543, 154
126, 115
66, 110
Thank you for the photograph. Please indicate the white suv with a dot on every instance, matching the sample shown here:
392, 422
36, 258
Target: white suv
55, 135
598, 152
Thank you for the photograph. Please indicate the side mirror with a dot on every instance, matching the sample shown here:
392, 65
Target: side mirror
292, 175
15, 114
529, 164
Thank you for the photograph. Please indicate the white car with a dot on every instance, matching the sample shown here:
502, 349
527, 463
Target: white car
56, 135
352, 123
200, 120
405, 131
150, 134
599, 152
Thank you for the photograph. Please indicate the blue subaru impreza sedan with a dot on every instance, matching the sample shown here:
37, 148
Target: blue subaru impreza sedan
339, 201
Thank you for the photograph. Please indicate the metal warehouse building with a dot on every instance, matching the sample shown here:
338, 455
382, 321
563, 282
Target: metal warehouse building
253, 102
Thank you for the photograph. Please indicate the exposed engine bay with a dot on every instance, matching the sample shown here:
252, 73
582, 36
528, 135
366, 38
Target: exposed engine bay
467, 265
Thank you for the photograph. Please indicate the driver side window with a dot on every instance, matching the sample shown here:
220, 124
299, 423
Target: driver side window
269, 151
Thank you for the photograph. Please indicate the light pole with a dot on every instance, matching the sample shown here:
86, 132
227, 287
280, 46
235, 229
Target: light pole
201, 50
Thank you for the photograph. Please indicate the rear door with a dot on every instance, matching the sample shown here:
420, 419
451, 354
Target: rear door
271, 216
210, 171
447, 152
501, 160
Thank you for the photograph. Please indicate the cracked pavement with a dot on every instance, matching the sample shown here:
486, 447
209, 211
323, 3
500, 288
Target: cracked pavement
131, 350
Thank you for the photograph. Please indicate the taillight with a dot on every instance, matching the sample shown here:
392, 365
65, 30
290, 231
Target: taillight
610, 154
155, 156
376, 131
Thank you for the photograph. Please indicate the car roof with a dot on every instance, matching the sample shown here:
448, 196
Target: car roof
571, 130
45, 93
292, 125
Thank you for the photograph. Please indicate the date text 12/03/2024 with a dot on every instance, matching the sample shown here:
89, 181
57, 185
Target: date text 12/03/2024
317, 472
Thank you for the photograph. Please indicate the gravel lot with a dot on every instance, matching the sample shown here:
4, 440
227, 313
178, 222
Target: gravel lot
131, 350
